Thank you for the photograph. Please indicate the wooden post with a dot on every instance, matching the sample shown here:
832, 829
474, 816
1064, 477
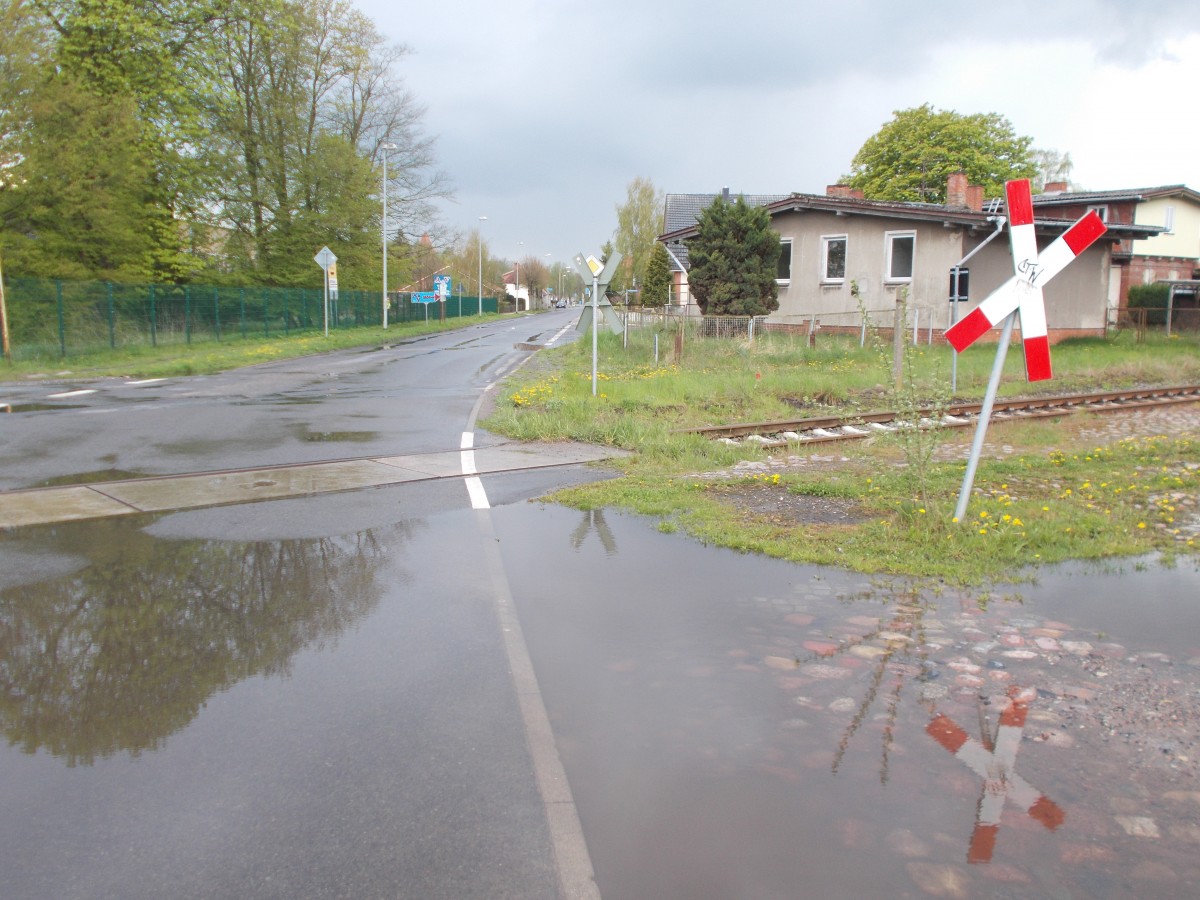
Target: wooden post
898, 323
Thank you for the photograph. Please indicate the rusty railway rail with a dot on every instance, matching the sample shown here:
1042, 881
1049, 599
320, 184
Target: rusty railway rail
956, 415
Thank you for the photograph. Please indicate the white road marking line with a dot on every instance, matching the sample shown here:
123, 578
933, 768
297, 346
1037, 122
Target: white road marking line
561, 332
144, 381
65, 394
478, 495
479, 498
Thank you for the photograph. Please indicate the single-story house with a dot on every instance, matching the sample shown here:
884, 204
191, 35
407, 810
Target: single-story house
1174, 255
833, 241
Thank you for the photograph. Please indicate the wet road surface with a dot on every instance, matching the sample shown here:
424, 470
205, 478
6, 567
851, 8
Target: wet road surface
740, 727
315, 696
297, 698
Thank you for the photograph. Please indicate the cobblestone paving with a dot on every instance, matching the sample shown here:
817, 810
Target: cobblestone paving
1112, 737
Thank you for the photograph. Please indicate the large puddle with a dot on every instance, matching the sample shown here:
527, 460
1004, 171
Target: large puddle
741, 727
309, 697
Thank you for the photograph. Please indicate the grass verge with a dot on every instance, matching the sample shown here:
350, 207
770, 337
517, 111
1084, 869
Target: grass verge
1057, 498
208, 357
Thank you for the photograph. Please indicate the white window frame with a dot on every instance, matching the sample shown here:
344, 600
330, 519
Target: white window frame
1169, 219
826, 240
889, 238
1100, 209
791, 249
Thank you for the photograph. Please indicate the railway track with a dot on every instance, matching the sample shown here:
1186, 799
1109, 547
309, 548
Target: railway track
957, 415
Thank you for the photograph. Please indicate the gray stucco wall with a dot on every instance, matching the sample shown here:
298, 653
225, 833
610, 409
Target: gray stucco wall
1076, 299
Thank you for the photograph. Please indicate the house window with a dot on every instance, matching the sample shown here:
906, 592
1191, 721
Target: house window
833, 258
1101, 211
1169, 219
783, 272
900, 250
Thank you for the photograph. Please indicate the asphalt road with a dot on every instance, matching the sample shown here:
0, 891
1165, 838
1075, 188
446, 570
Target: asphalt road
415, 397
324, 696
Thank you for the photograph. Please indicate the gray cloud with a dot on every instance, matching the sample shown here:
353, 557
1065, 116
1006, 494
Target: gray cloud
544, 111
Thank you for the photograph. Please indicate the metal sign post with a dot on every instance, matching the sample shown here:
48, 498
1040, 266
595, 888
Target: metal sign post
1020, 295
959, 290
326, 260
602, 274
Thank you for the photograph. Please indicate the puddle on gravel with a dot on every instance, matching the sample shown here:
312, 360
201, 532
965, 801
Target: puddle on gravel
350, 437
740, 727
37, 407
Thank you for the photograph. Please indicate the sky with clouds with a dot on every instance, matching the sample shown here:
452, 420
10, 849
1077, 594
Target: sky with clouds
544, 110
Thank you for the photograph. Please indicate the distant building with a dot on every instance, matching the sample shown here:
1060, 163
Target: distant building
832, 241
1174, 255
519, 293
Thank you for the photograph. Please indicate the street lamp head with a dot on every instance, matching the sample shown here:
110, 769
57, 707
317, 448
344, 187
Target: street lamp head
388, 145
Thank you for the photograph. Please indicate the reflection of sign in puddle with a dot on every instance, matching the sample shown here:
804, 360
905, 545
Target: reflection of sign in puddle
995, 764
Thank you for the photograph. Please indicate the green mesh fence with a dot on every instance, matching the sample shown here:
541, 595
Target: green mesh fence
64, 318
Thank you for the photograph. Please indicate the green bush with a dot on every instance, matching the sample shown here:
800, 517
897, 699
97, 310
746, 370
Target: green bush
1152, 297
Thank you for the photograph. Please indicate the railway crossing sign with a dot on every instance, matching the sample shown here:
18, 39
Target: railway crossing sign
1020, 295
1032, 271
995, 763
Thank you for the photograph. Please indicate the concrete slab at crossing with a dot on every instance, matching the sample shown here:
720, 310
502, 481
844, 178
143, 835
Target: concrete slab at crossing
40, 506
59, 504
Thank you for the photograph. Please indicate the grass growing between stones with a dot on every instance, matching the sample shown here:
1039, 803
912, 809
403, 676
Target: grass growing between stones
1052, 500
1134, 497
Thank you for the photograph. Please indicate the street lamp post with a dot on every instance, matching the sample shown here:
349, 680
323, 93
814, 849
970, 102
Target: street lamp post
385, 147
480, 297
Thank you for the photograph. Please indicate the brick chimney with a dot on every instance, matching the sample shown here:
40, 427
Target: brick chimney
975, 197
956, 189
843, 190
1055, 187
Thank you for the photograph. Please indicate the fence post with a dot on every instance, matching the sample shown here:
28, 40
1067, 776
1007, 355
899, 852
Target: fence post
217, 311
287, 327
112, 332
266, 327
242, 305
153, 319
62, 330
187, 313
899, 319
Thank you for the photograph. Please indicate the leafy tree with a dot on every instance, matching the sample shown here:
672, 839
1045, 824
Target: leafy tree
78, 207
535, 276
233, 136
150, 55
639, 223
734, 259
656, 288
1051, 166
302, 80
910, 157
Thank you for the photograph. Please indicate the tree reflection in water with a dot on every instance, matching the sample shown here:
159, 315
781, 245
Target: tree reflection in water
123, 653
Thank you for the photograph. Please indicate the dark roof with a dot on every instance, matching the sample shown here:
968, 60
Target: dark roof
921, 212
1064, 198
683, 210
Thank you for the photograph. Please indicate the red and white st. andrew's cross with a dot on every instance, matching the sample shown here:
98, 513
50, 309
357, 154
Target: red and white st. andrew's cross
1032, 271
996, 765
